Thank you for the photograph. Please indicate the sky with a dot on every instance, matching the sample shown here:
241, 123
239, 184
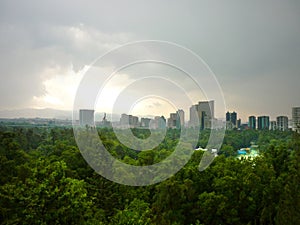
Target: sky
252, 47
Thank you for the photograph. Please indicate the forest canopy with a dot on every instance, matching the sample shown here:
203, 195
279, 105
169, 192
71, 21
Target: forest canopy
45, 180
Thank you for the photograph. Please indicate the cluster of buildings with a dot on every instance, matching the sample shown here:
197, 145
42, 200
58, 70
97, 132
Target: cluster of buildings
281, 123
232, 121
201, 115
176, 120
130, 121
263, 123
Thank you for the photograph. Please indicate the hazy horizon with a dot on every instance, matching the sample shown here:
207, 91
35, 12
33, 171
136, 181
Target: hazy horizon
50, 113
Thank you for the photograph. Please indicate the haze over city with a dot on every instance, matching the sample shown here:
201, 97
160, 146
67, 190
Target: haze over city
252, 47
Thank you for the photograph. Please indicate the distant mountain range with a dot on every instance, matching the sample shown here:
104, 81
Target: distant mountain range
47, 113
36, 113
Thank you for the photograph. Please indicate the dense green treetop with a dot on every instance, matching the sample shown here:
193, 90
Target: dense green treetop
45, 180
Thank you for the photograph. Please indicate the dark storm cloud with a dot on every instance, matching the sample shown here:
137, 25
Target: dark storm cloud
252, 46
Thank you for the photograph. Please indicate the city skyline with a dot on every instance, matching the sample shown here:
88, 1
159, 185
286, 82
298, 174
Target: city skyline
202, 116
67, 114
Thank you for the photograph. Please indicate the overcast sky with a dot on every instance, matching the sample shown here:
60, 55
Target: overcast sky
253, 47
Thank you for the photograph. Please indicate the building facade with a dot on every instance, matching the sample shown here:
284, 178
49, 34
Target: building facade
232, 121
282, 123
263, 122
180, 118
162, 124
86, 117
228, 116
202, 114
159, 122
172, 120
296, 119
252, 122
145, 122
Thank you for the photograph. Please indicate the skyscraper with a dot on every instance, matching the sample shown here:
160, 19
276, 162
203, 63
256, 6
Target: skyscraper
282, 123
194, 117
208, 107
252, 122
231, 120
238, 123
86, 117
145, 122
263, 122
202, 114
124, 121
296, 119
180, 118
172, 120
228, 117
159, 122
162, 123
176, 120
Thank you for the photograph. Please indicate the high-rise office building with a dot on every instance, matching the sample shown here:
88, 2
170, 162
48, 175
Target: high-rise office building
162, 123
282, 123
172, 120
124, 121
202, 114
296, 119
145, 122
252, 122
263, 122
232, 121
159, 122
86, 117
208, 107
133, 121
228, 117
180, 118
176, 120
229, 124
239, 123
194, 117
